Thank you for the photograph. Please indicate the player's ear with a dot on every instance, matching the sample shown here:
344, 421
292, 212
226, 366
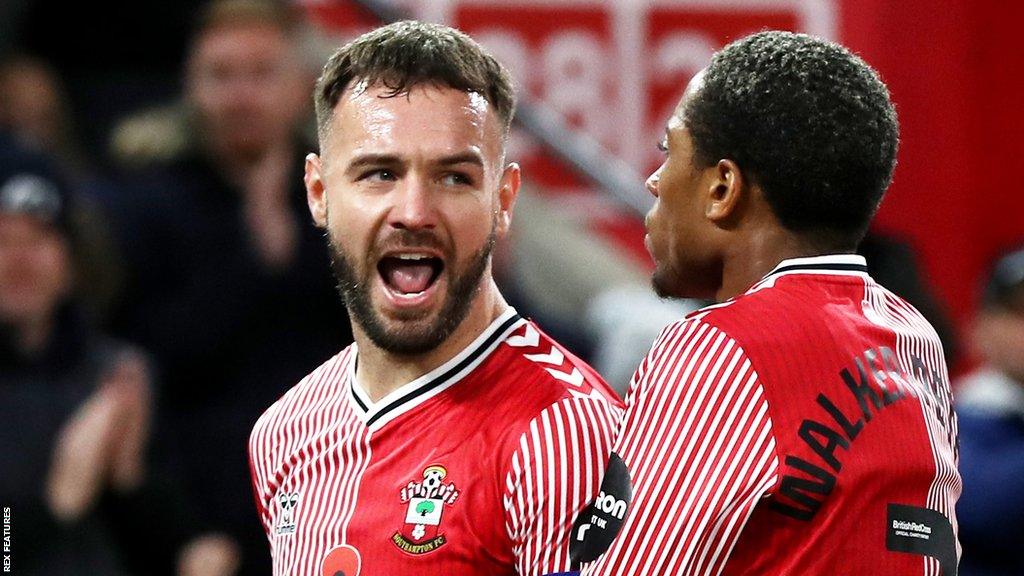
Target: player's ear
508, 191
315, 190
725, 189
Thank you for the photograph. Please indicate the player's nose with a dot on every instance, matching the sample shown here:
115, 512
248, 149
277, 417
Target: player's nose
652, 182
414, 207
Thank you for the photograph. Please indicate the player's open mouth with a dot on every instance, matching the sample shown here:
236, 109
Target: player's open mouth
409, 276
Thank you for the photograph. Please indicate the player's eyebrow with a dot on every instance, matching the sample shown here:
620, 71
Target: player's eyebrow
371, 159
364, 160
468, 157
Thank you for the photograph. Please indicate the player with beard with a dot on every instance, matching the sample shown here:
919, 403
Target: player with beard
453, 436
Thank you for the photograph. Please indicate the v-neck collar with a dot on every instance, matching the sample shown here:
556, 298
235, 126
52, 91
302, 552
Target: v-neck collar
414, 393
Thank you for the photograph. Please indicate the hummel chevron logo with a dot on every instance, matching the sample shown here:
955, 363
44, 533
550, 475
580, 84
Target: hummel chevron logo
554, 357
574, 378
530, 339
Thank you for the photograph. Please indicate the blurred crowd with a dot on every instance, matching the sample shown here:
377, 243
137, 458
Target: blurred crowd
153, 303
159, 291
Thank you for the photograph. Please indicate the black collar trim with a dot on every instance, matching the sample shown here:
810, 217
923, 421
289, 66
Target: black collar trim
833, 263
498, 331
836, 267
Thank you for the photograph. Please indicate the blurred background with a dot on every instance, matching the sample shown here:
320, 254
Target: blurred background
161, 282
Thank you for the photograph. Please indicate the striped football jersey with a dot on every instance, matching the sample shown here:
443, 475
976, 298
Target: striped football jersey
478, 467
804, 427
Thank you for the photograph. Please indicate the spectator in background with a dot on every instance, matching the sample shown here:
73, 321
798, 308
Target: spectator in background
76, 405
34, 108
228, 281
990, 405
34, 111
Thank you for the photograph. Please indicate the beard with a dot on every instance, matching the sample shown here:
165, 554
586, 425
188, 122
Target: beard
661, 286
414, 334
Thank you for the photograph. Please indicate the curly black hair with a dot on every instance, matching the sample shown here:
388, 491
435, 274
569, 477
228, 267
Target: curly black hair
807, 121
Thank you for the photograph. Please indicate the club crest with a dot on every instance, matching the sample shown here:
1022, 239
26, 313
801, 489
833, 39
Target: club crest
424, 502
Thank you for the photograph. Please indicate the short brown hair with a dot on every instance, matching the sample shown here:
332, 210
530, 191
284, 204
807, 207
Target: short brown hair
407, 54
226, 13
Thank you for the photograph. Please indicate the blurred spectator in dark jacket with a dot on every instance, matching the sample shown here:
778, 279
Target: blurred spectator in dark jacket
34, 111
76, 407
990, 404
228, 281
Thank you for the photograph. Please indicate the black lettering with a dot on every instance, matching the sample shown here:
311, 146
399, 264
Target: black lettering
920, 374
897, 374
889, 393
937, 396
850, 429
799, 490
813, 432
862, 391
943, 399
919, 369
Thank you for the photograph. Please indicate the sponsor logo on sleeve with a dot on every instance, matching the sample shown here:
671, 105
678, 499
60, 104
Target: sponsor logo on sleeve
916, 530
598, 524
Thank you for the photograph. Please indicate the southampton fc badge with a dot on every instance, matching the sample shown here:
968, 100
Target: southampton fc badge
424, 504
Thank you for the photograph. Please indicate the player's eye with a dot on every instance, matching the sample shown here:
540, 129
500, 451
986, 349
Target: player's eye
456, 179
663, 146
378, 175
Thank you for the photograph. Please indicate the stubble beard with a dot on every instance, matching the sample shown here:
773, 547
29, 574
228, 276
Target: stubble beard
409, 337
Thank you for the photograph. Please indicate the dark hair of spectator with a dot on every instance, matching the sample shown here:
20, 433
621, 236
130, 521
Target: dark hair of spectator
408, 54
807, 121
1005, 286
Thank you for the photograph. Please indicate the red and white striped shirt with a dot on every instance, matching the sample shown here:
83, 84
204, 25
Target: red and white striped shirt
478, 467
804, 427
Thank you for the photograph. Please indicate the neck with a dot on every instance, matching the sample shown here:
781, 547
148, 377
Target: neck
749, 262
380, 372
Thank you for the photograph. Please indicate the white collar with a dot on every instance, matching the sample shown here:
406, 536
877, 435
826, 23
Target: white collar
825, 264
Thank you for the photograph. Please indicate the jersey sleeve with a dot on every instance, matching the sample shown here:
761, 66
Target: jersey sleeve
555, 472
698, 442
258, 472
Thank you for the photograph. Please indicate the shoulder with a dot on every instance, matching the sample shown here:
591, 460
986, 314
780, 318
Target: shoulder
544, 372
762, 311
303, 402
685, 338
799, 310
692, 362
545, 398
